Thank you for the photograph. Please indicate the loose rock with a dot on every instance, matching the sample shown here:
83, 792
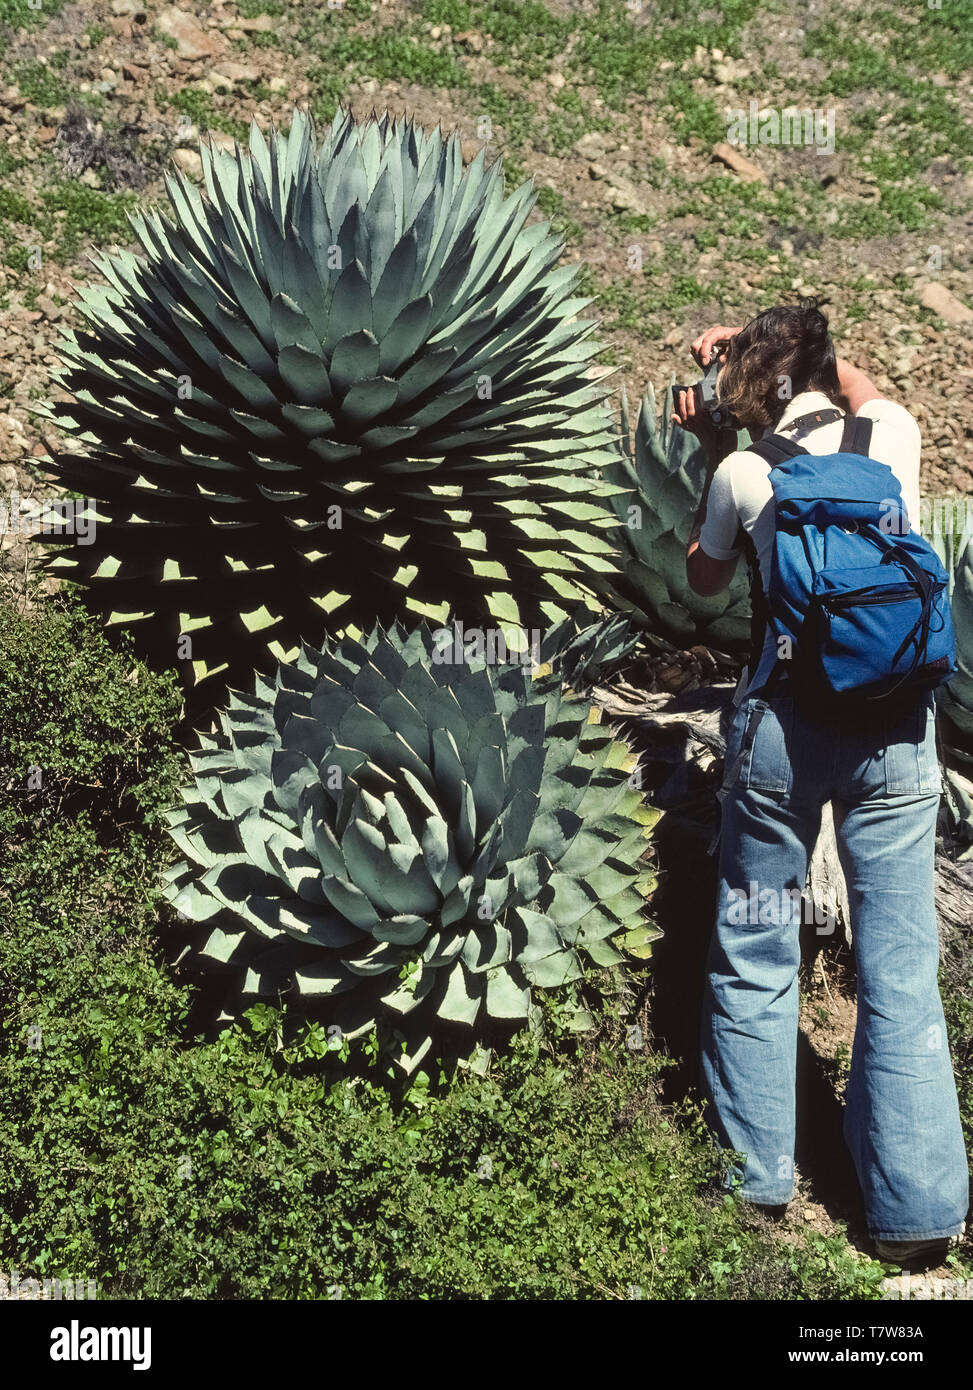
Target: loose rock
189, 162
592, 145
237, 72
192, 40
745, 168
941, 301
259, 24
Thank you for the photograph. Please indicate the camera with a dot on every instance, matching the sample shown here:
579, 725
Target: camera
705, 398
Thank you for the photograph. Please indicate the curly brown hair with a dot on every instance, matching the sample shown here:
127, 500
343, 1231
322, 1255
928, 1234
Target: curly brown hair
776, 355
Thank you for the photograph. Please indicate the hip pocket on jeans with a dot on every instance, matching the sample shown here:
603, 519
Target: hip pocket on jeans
911, 759
767, 745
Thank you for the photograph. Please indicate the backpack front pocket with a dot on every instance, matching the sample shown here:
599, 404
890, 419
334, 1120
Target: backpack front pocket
871, 629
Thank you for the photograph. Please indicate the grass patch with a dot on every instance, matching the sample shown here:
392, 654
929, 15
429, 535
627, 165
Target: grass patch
206, 114
89, 214
17, 14
41, 83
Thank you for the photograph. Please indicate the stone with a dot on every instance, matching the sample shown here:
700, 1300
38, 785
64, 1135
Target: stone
743, 167
258, 24
48, 308
237, 72
278, 84
625, 197
941, 301
13, 439
189, 162
592, 145
192, 41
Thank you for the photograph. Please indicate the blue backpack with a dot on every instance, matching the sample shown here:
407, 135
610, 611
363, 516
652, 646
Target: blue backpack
862, 598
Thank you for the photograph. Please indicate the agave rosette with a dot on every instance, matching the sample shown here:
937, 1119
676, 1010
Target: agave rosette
660, 479
412, 840
344, 385
582, 647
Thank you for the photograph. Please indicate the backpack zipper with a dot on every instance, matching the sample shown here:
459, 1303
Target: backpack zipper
856, 600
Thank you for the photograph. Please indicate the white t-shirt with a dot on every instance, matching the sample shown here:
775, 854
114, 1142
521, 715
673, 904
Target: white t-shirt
740, 492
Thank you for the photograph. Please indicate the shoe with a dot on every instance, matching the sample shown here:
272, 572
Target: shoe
906, 1251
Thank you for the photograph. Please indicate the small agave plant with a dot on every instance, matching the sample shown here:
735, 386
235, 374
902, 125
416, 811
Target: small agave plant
346, 383
582, 646
662, 481
412, 840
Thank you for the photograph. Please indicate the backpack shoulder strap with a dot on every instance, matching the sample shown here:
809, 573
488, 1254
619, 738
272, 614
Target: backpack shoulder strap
758, 599
775, 449
856, 435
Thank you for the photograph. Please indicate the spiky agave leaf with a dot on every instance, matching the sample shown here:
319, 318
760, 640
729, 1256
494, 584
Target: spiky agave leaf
343, 385
662, 481
581, 646
411, 840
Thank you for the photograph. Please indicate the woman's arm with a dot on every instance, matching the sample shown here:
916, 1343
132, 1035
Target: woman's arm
706, 575
856, 388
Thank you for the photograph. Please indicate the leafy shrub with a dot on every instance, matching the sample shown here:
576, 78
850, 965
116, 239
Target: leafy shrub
89, 716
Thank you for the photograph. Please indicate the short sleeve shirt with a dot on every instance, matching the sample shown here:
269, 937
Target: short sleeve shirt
741, 495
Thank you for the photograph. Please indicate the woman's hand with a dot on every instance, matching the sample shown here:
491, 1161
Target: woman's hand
698, 422
702, 348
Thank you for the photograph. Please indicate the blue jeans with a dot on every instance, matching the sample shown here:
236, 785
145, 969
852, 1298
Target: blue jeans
901, 1118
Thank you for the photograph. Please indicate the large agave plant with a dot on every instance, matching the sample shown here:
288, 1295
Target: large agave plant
411, 840
661, 481
345, 384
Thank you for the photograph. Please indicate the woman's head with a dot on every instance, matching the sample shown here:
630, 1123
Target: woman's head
778, 354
